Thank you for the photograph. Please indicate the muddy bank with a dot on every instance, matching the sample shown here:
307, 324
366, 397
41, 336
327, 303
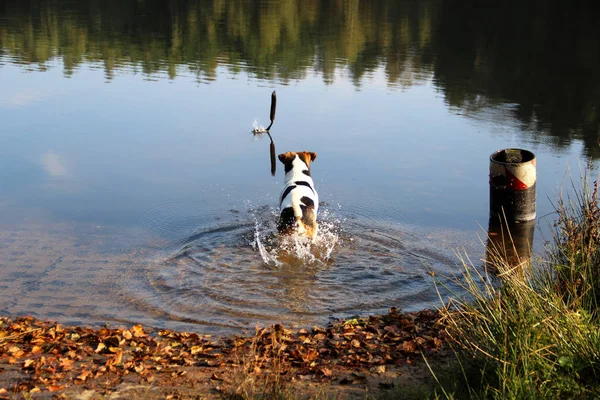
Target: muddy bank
42, 359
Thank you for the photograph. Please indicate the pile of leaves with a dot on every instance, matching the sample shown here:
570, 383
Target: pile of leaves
38, 356
51, 357
354, 345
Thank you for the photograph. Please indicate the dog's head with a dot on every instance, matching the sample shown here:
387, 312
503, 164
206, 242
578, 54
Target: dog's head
288, 159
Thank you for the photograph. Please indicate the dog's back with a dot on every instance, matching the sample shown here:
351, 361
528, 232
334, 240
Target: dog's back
299, 200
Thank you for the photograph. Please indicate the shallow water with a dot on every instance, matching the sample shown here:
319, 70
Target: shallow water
132, 188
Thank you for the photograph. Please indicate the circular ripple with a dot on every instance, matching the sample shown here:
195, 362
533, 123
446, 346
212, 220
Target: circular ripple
218, 276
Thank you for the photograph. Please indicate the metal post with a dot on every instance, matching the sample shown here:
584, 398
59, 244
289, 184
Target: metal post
512, 185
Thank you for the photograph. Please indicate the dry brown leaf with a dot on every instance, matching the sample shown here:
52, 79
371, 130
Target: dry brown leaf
101, 346
380, 369
409, 346
84, 375
310, 355
36, 349
66, 364
118, 357
138, 331
127, 335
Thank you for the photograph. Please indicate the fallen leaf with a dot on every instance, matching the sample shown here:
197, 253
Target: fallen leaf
409, 346
84, 375
101, 346
66, 364
380, 369
138, 331
310, 355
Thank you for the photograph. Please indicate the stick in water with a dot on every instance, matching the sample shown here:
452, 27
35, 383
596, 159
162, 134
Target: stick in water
273, 106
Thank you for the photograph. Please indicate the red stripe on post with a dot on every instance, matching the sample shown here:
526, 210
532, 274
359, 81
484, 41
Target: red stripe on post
514, 182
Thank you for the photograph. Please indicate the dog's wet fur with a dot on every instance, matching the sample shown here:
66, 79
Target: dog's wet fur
299, 200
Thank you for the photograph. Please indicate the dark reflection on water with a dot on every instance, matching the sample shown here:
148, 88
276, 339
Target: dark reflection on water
271, 39
543, 56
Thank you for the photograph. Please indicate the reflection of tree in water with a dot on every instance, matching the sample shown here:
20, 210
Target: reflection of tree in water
542, 56
271, 40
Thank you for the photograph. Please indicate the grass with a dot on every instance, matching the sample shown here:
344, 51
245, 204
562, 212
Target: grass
531, 330
261, 369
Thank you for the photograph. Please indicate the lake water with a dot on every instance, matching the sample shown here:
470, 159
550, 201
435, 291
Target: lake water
133, 190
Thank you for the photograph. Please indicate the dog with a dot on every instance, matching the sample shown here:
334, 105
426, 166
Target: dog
299, 200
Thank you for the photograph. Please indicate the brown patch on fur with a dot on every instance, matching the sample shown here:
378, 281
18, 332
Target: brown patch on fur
287, 157
306, 156
309, 222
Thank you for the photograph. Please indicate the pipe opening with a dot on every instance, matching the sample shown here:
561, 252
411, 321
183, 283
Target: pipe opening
512, 156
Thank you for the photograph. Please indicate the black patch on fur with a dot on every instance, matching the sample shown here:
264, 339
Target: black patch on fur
307, 202
287, 220
306, 172
289, 166
304, 183
286, 192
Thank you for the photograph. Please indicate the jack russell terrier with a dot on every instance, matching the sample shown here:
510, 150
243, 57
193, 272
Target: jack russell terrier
299, 200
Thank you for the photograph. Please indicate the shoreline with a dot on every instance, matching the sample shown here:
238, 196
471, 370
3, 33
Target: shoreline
352, 357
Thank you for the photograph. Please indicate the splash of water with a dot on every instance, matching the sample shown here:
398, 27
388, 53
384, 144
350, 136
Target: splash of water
257, 127
294, 250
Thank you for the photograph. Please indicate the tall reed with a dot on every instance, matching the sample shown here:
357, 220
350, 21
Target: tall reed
531, 330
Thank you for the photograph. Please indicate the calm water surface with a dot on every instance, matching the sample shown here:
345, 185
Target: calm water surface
132, 189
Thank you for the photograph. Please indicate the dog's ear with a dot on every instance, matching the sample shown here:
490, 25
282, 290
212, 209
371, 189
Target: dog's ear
287, 158
307, 157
